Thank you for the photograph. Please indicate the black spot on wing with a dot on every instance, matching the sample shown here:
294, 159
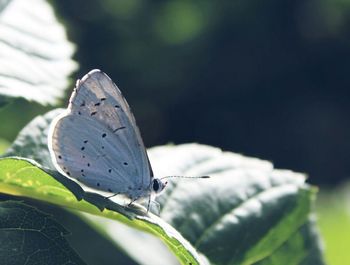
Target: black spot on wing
93, 113
104, 135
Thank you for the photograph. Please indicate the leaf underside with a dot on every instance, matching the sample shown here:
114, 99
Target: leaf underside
28, 236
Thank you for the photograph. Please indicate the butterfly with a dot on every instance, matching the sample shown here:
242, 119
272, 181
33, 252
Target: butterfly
97, 143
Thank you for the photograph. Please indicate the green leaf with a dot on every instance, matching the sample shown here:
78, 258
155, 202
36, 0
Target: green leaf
4, 144
31, 142
34, 52
3, 101
28, 236
246, 213
303, 247
100, 250
24, 178
139, 245
334, 221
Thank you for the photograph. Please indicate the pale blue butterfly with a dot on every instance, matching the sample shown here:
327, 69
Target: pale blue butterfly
96, 141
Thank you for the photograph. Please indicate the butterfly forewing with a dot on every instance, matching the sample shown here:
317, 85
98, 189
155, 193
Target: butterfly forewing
97, 141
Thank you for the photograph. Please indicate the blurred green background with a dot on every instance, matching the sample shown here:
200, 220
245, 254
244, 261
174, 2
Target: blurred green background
268, 79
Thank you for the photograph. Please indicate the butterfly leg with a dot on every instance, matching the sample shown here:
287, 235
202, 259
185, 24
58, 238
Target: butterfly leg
149, 203
132, 201
156, 208
111, 196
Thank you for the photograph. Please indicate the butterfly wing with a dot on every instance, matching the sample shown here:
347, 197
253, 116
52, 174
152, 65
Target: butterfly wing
98, 142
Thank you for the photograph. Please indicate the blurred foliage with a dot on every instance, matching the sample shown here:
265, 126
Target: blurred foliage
334, 222
266, 79
15, 115
3, 145
269, 80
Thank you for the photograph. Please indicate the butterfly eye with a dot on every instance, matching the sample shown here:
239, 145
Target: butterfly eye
155, 185
158, 185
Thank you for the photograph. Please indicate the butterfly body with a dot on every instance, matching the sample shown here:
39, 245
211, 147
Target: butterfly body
96, 141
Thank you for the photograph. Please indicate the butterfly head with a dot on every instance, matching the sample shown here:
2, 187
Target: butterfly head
158, 185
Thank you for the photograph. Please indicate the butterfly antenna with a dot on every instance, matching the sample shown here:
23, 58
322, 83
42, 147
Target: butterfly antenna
186, 177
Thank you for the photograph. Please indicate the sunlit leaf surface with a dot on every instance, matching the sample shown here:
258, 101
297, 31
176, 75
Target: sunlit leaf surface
34, 52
